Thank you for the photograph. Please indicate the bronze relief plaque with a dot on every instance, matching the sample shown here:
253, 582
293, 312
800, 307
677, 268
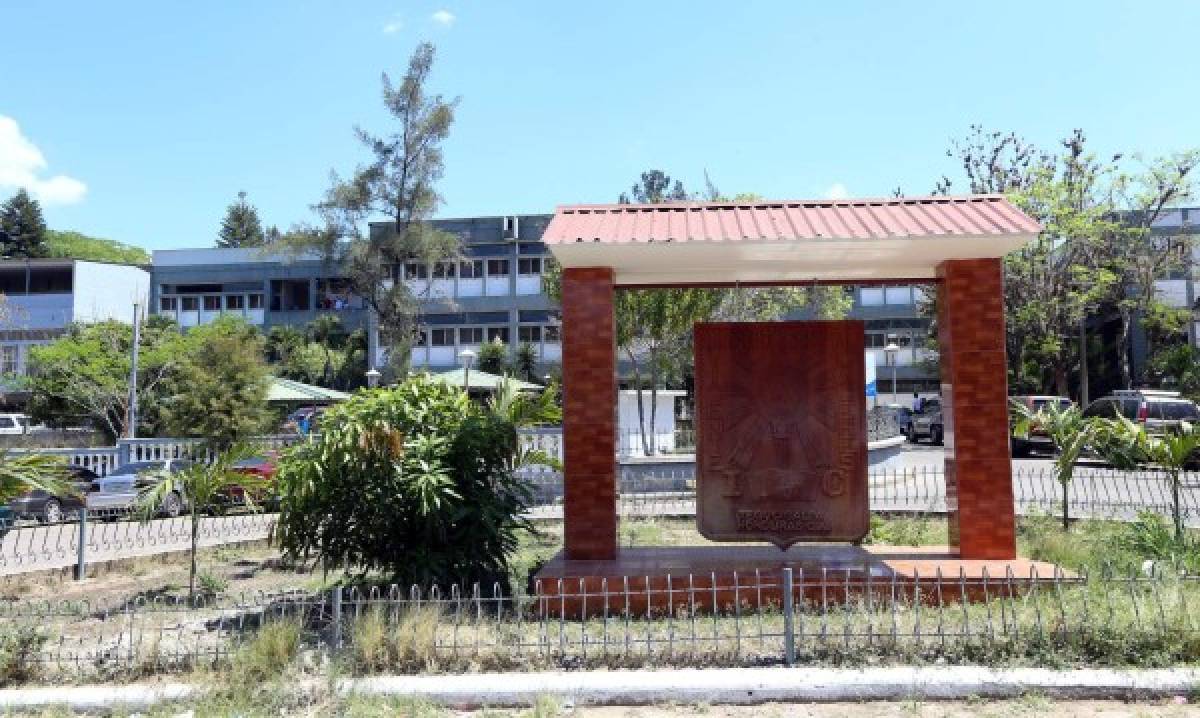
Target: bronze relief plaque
781, 451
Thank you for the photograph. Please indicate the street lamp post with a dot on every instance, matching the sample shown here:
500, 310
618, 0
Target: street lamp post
373, 377
890, 352
466, 356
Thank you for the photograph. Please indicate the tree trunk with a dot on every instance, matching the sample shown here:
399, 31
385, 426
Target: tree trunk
1066, 506
1060, 380
637, 381
1175, 513
1083, 364
192, 572
653, 409
1123, 350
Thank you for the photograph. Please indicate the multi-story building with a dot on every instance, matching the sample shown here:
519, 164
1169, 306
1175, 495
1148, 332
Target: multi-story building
42, 296
493, 292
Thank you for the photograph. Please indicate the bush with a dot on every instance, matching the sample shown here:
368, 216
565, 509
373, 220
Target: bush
413, 481
19, 648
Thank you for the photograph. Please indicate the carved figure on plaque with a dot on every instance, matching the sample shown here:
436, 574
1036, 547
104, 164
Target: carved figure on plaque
781, 431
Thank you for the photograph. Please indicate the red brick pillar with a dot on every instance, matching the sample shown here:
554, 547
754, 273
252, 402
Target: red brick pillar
979, 496
589, 413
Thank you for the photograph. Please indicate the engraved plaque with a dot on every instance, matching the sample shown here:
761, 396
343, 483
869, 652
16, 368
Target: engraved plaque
781, 451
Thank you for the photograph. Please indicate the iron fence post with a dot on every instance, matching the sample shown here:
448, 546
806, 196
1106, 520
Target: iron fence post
81, 557
335, 637
789, 636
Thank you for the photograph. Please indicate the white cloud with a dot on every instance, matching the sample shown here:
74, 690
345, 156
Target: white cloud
837, 190
22, 164
443, 17
394, 25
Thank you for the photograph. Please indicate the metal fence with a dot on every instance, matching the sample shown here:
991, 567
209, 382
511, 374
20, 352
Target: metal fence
755, 619
654, 492
1094, 493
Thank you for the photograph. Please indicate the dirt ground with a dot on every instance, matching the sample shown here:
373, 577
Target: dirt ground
236, 569
1030, 706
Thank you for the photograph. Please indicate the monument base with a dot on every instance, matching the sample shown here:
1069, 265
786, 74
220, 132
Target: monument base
652, 579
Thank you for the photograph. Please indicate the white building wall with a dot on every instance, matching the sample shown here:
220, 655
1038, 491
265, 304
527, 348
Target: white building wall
629, 438
108, 291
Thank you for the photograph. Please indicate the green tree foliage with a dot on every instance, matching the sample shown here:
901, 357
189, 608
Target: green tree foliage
203, 483
76, 245
1171, 452
493, 357
241, 226
322, 353
22, 227
1178, 366
1071, 434
24, 472
525, 361
83, 377
413, 481
220, 388
1096, 250
399, 183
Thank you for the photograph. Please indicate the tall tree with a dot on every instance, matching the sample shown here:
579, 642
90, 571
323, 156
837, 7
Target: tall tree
241, 226
399, 183
22, 227
1139, 255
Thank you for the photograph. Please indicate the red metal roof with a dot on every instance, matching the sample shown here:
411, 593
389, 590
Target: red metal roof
967, 216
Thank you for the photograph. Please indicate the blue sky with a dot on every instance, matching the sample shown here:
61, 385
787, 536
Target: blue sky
140, 121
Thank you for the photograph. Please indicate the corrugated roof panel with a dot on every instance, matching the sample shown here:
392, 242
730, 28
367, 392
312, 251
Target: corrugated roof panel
977, 215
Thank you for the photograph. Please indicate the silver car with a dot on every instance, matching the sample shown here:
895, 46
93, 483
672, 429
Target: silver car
119, 491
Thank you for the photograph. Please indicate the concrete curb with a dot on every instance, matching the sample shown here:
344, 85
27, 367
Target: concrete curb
713, 686
762, 685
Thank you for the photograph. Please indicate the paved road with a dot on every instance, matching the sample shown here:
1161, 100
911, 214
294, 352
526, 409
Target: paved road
40, 548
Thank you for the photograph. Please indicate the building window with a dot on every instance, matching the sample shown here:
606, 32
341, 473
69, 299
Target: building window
529, 265
494, 333
289, 295
471, 269
870, 297
212, 304
189, 304
256, 301
442, 337
470, 335
443, 270
875, 340
497, 267
550, 332
415, 270
167, 304
235, 302
532, 335
897, 295
8, 359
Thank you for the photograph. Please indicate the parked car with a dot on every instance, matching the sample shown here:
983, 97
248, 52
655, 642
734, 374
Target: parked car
1034, 438
49, 508
119, 490
927, 423
1160, 411
263, 495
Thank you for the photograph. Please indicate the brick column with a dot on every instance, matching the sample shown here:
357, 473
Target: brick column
589, 357
979, 496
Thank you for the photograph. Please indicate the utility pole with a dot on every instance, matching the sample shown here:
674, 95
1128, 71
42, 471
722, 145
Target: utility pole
131, 414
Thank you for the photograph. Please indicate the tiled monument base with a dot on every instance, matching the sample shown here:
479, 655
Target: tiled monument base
697, 577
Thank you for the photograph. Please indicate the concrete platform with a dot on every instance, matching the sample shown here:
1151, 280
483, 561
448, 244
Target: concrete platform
703, 577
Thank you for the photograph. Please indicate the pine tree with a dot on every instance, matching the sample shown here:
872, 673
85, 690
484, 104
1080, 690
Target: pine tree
241, 226
22, 227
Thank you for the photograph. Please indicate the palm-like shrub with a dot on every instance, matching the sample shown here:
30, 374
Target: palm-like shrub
201, 484
414, 482
1172, 452
1070, 432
